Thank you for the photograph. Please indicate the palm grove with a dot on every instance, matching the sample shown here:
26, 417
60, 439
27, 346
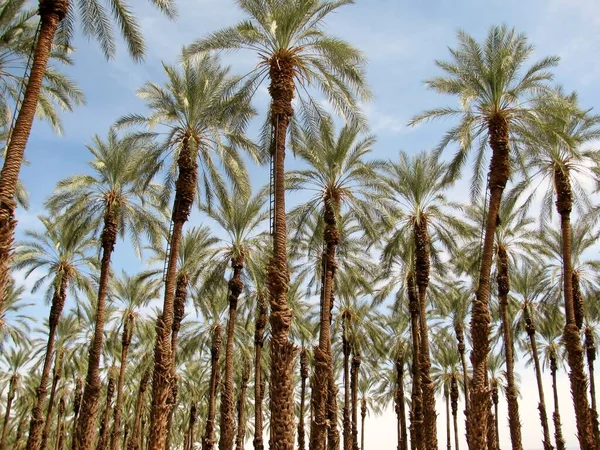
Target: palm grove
294, 325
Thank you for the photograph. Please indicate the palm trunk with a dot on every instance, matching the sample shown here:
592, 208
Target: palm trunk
422, 244
20, 429
51, 13
85, 430
125, 342
560, 442
303, 376
259, 341
241, 431
104, 424
399, 405
191, 425
530, 328
448, 436
460, 338
590, 347
356, 360
495, 435
283, 352
577, 376
346, 411
577, 300
134, 440
416, 414
60, 426
363, 416
454, 404
9, 401
480, 315
76, 408
185, 191
208, 440
333, 434
55, 380
503, 282
34, 439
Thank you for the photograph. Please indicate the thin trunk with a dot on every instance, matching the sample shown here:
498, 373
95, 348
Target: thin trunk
259, 340
495, 436
502, 280
460, 338
448, 436
530, 328
76, 408
479, 396
283, 352
454, 405
363, 416
590, 347
399, 405
577, 376
51, 13
417, 441
85, 430
346, 411
134, 440
422, 256
577, 300
125, 342
558, 437
241, 431
105, 423
20, 430
191, 425
60, 426
303, 376
9, 401
185, 191
34, 440
55, 380
356, 360
208, 440
227, 423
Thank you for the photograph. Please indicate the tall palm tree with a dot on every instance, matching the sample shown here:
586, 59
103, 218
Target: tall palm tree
61, 251
494, 87
15, 359
206, 118
294, 53
57, 19
113, 202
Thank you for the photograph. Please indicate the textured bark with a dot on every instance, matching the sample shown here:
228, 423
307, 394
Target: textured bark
448, 435
105, 423
36, 426
9, 401
363, 416
134, 439
399, 405
347, 429
460, 338
577, 376
356, 360
76, 408
492, 425
283, 352
20, 430
512, 395
191, 425
51, 13
85, 430
303, 377
590, 348
422, 246
333, 434
208, 440
558, 437
60, 426
498, 132
227, 423
259, 340
577, 300
55, 379
417, 439
241, 406
115, 438
530, 328
454, 405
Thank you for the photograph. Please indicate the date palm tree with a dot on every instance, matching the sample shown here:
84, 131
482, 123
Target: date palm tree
15, 325
15, 360
113, 202
57, 19
494, 86
294, 53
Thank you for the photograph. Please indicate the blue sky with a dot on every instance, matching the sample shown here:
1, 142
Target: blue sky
401, 39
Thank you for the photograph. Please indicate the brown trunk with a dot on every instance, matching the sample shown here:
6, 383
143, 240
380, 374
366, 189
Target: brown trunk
76, 408
530, 328
241, 431
502, 280
356, 360
60, 426
259, 340
422, 244
85, 431
590, 347
558, 437
55, 380
492, 425
479, 396
105, 423
9, 400
577, 300
417, 440
208, 440
227, 423
51, 13
191, 425
20, 430
185, 191
448, 436
577, 376
399, 405
283, 352
34, 439
333, 434
115, 441
303, 376
454, 405
363, 416
347, 432
134, 438
460, 338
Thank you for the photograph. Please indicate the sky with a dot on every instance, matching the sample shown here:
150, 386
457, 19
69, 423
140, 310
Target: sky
401, 40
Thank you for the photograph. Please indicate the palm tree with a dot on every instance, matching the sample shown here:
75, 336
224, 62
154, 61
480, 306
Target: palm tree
61, 251
16, 360
294, 53
495, 379
200, 111
13, 323
494, 87
112, 200
57, 18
